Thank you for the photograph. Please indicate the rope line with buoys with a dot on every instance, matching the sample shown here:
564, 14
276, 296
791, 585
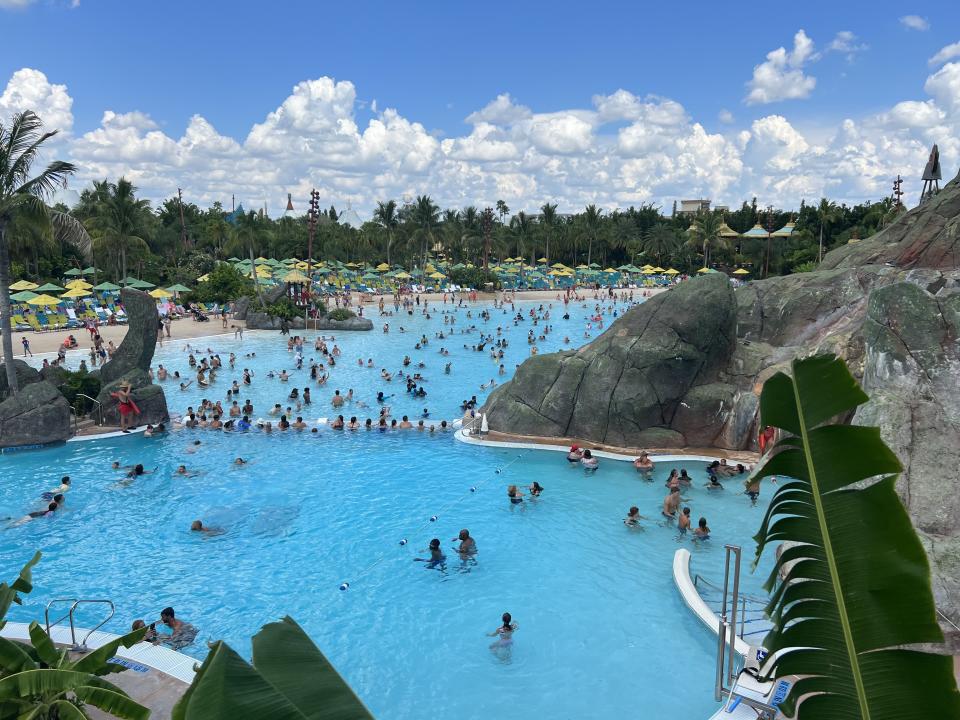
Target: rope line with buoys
345, 585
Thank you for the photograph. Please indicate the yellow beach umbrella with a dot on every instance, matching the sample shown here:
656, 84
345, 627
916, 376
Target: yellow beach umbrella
703, 271
203, 278
75, 293
402, 276
741, 271
43, 300
671, 271
648, 271
23, 285
295, 277
382, 267
658, 269
82, 284
160, 293
437, 275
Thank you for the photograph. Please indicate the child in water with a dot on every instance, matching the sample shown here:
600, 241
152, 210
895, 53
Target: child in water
436, 555
504, 633
702, 532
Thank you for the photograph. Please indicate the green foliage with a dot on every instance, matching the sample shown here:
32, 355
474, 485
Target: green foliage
288, 679
41, 682
284, 309
341, 314
225, 283
476, 278
808, 266
856, 590
80, 383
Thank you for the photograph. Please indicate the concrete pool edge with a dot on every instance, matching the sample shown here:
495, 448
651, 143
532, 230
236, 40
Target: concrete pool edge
524, 442
164, 660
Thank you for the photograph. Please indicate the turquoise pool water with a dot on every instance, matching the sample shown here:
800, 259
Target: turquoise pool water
602, 628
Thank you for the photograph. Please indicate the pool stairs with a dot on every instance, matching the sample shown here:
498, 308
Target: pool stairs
723, 608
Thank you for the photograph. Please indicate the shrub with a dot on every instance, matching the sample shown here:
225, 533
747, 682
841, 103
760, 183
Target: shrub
80, 383
808, 266
283, 309
477, 278
225, 283
341, 314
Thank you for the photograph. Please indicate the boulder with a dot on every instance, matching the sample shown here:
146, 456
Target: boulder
265, 321
25, 376
136, 350
240, 307
634, 377
148, 397
38, 414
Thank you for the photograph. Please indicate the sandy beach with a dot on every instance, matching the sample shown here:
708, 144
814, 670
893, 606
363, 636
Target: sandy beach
49, 342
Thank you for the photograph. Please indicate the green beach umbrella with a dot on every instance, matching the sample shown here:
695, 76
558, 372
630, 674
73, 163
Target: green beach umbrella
50, 287
178, 288
23, 296
104, 286
90, 271
73, 272
141, 285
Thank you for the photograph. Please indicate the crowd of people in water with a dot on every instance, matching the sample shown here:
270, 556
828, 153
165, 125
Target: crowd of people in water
234, 411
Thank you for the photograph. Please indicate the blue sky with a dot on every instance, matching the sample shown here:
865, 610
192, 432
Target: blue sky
436, 63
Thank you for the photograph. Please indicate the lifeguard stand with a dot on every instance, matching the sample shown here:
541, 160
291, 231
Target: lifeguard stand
931, 176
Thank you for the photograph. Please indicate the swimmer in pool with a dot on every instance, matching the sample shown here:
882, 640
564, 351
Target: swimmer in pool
589, 462
505, 632
436, 555
633, 517
753, 489
535, 489
241, 461
575, 454
516, 497
683, 524
671, 502
62, 488
702, 532
198, 526
468, 546
644, 466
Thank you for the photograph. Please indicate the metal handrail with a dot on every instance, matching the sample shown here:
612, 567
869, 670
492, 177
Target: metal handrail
74, 602
76, 422
97, 403
727, 630
947, 619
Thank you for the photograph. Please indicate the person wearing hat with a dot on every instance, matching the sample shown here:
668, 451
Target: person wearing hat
575, 454
125, 405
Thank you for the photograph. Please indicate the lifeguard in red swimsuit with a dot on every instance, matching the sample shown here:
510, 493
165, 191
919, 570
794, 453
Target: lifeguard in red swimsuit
126, 406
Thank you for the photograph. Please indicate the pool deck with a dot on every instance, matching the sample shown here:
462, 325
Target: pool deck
613, 452
156, 676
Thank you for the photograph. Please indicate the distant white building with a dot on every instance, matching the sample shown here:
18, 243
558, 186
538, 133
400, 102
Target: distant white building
692, 207
350, 217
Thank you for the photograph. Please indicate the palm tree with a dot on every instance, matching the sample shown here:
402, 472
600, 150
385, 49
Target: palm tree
590, 227
486, 227
118, 221
705, 232
471, 235
827, 212
548, 221
521, 231
425, 216
660, 242
502, 210
22, 201
386, 216
252, 236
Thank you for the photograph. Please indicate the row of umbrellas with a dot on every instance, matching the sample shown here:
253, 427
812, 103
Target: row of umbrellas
34, 294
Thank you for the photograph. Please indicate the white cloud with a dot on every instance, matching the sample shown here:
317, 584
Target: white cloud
781, 76
622, 149
502, 111
29, 89
14, 4
725, 116
945, 53
915, 22
848, 43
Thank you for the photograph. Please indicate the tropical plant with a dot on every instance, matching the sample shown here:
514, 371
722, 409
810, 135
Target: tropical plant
425, 218
340, 314
386, 217
22, 202
548, 224
288, 678
855, 599
590, 228
284, 309
118, 223
827, 212
661, 241
40, 682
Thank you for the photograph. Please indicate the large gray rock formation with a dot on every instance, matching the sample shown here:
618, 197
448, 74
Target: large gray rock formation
131, 361
657, 367
38, 414
265, 321
888, 305
25, 376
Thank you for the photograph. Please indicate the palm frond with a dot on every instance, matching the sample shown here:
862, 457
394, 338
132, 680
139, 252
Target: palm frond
46, 183
68, 229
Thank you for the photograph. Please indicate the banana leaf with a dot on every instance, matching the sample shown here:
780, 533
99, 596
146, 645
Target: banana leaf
289, 660
289, 679
23, 584
856, 582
